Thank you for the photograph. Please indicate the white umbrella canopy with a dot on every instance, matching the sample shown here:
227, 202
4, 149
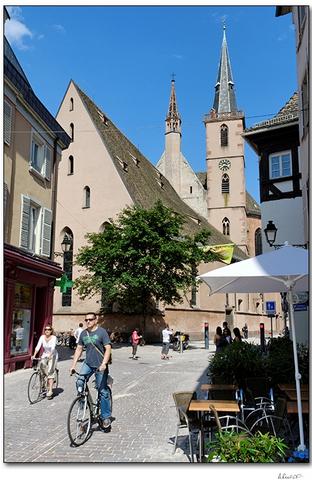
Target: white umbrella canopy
270, 272
282, 270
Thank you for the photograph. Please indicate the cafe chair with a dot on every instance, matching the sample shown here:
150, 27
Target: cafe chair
275, 422
256, 394
188, 420
229, 423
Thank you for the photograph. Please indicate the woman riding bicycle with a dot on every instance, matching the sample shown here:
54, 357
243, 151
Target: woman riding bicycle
49, 356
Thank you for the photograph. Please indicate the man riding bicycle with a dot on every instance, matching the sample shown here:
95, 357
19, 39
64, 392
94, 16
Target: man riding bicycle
96, 341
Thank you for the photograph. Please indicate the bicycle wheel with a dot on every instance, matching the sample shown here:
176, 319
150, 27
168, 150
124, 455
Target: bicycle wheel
79, 421
34, 388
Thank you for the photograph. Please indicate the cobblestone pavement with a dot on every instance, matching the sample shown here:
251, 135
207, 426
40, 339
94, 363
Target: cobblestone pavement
144, 415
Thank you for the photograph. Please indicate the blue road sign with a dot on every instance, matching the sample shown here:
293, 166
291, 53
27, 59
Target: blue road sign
300, 307
270, 308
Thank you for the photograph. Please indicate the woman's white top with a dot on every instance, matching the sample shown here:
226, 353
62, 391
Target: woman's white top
48, 346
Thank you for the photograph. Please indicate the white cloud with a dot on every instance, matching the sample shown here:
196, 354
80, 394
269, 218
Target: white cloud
178, 56
59, 28
16, 32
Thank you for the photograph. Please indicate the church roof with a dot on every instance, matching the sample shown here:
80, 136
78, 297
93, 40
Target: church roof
143, 181
252, 207
225, 100
173, 107
288, 114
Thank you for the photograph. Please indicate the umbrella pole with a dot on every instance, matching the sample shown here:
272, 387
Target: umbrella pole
302, 446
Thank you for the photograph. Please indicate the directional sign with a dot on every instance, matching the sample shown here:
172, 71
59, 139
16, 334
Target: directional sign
270, 308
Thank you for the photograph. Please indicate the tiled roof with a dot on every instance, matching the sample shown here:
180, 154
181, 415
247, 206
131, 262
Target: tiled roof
143, 181
14, 73
288, 114
252, 207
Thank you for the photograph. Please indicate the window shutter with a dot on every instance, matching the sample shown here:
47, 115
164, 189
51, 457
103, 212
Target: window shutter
48, 163
7, 123
25, 222
5, 200
46, 227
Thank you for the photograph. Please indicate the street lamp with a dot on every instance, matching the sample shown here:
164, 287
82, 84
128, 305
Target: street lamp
66, 243
270, 233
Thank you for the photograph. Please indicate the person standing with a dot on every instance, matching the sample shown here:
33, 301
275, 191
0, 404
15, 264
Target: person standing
219, 340
227, 332
245, 330
78, 332
237, 335
166, 336
98, 350
135, 339
49, 356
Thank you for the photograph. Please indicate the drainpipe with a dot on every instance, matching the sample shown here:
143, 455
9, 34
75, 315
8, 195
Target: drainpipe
54, 196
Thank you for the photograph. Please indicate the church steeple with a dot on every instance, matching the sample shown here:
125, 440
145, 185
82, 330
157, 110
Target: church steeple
225, 101
173, 120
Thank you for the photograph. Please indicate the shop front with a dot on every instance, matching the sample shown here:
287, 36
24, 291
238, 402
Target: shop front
28, 303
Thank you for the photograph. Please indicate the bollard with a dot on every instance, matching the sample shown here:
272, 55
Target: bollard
206, 335
262, 337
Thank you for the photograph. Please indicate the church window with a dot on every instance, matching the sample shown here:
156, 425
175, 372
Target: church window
191, 189
224, 135
258, 242
225, 186
226, 226
71, 104
70, 165
86, 197
68, 269
72, 131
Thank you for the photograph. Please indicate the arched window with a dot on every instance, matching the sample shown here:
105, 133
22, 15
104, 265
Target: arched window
258, 242
71, 104
72, 132
86, 197
225, 186
224, 138
68, 267
70, 165
226, 226
103, 226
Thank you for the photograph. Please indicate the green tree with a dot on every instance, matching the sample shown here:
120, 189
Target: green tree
141, 257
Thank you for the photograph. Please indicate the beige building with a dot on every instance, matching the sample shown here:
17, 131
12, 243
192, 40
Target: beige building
101, 173
33, 144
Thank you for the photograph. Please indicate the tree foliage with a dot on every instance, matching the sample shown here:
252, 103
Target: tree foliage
141, 256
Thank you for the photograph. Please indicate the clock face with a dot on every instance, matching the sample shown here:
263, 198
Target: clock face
224, 164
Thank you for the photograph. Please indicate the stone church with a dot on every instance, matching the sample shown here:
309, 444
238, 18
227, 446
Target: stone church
102, 172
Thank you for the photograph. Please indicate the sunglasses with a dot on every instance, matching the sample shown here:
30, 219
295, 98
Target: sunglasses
47, 329
89, 319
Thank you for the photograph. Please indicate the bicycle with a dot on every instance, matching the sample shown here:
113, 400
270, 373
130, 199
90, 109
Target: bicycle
37, 385
83, 412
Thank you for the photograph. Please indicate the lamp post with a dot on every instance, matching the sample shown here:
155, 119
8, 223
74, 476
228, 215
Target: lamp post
66, 243
270, 233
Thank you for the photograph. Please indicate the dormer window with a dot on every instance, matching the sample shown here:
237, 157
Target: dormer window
217, 86
135, 159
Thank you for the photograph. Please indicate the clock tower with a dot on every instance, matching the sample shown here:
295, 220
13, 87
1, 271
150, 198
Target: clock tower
226, 189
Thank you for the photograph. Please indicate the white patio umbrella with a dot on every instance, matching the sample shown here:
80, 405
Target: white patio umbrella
282, 270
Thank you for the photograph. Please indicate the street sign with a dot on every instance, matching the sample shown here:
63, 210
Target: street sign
300, 297
270, 308
300, 307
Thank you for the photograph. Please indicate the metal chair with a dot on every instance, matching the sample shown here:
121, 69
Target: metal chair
229, 423
257, 394
186, 419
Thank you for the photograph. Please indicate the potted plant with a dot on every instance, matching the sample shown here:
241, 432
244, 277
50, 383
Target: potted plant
233, 447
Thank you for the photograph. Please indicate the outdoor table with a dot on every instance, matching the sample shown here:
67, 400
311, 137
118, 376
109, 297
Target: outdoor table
208, 387
292, 408
292, 386
202, 406
292, 394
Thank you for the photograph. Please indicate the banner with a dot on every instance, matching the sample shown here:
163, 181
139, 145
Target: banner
225, 252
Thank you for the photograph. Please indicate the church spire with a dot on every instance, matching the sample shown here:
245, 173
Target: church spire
173, 120
224, 101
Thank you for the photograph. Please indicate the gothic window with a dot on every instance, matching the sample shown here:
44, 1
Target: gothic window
71, 104
72, 132
70, 165
86, 197
224, 135
226, 226
258, 242
68, 269
225, 186
191, 189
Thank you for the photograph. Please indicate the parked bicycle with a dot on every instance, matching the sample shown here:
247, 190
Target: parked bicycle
37, 385
62, 338
179, 337
83, 412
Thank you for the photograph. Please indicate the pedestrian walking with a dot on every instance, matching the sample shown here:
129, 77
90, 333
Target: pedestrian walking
219, 340
98, 351
237, 335
49, 356
78, 332
227, 332
135, 340
166, 337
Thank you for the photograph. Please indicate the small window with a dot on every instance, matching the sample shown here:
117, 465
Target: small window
40, 156
70, 165
280, 165
71, 104
191, 189
224, 135
225, 185
258, 242
86, 199
72, 132
226, 226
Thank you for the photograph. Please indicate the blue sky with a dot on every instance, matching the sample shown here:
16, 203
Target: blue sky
123, 58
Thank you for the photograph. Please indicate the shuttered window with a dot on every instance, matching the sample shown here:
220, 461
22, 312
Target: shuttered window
36, 226
46, 226
41, 157
24, 242
225, 185
7, 123
47, 163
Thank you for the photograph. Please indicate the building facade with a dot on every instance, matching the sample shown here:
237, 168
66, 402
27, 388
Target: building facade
33, 143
